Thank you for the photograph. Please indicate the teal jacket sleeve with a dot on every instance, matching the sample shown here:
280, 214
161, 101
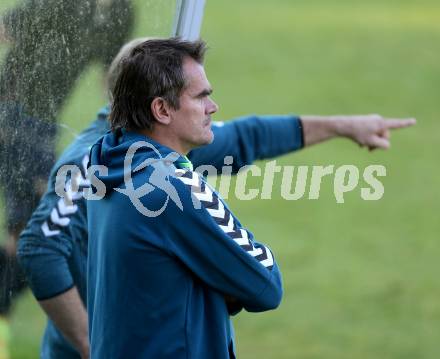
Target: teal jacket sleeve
250, 138
213, 244
44, 251
52, 248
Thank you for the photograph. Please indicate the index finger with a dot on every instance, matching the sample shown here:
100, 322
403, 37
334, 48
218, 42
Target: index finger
394, 123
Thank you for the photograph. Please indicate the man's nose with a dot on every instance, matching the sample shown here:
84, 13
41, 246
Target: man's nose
212, 106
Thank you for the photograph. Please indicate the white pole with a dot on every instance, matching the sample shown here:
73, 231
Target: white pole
188, 19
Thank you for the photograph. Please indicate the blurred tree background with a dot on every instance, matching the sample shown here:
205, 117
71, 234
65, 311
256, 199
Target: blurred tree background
360, 278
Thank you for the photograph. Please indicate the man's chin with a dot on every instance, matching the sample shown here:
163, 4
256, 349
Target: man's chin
208, 139
211, 138
205, 140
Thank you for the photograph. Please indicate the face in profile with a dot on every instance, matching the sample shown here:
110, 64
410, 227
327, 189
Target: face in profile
191, 123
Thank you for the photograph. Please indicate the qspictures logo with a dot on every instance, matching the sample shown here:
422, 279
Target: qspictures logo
162, 171
297, 182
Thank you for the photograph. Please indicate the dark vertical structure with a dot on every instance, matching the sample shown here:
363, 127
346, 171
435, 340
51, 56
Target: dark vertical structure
52, 42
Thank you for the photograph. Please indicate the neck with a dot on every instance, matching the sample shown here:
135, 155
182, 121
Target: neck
166, 139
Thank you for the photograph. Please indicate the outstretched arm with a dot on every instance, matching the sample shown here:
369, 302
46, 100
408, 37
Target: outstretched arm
261, 137
372, 131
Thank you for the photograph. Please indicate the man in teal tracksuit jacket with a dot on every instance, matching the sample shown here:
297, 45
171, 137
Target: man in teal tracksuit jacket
168, 261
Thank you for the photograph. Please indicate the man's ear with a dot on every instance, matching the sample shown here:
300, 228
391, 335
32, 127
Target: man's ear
161, 110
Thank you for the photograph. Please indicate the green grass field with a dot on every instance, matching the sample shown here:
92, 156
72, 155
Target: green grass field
360, 278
